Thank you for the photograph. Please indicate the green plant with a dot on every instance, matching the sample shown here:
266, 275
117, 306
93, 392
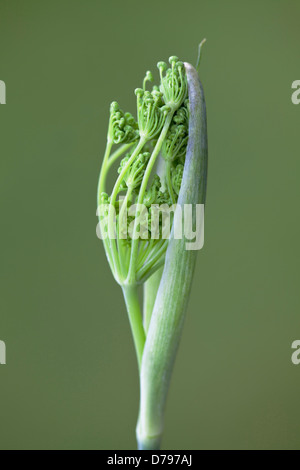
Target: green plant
164, 164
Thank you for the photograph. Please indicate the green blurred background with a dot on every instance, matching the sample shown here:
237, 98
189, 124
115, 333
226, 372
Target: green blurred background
71, 377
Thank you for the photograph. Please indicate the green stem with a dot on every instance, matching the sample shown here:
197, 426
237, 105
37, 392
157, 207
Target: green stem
154, 268
169, 182
152, 261
107, 162
120, 242
148, 443
111, 236
117, 154
135, 319
103, 172
144, 252
100, 189
150, 291
157, 148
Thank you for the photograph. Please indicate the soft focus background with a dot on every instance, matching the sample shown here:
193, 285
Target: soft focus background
71, 377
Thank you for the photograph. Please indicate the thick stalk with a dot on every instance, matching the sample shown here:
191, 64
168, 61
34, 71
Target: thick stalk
135, 318
151, 443
150, 291
174, 289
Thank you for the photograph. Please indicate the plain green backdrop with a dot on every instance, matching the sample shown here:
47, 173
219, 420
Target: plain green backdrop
71, 378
